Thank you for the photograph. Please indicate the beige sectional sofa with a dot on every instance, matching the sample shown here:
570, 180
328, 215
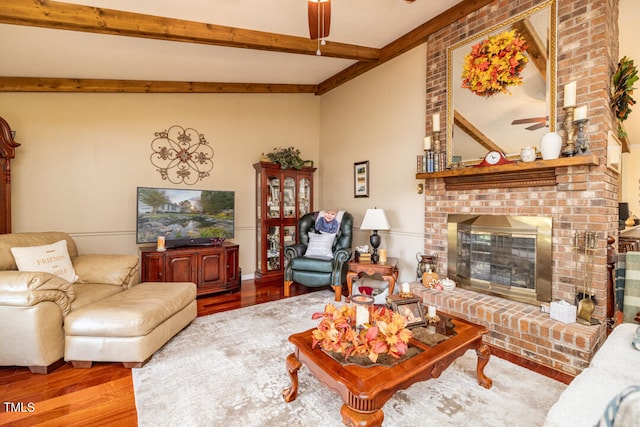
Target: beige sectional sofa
106, 314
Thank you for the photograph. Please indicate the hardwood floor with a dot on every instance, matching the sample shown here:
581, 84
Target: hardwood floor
102, 395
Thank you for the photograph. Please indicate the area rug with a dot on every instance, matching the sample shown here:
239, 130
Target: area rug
228, 369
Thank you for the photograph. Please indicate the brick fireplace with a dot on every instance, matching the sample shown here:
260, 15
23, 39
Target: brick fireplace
583, 197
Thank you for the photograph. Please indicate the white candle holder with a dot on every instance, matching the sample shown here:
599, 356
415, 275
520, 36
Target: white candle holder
582, 145
570, 148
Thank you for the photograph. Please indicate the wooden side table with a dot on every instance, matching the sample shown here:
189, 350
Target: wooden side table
388, 270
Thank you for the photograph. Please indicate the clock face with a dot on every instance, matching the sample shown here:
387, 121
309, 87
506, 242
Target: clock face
493, 157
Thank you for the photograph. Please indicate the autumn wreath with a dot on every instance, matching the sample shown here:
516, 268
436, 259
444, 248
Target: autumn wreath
384, 334
494, 64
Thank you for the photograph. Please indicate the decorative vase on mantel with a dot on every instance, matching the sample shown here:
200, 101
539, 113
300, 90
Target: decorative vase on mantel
550, 145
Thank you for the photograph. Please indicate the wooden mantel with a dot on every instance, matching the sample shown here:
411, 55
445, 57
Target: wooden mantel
520, 174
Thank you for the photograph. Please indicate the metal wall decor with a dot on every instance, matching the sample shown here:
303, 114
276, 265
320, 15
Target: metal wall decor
181, 155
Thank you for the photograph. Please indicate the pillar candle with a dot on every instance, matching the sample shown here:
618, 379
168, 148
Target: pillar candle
570, 94
427, 143
406, 288
382, 253
161, 246
431, 311
580, 113
362, 315
436, 122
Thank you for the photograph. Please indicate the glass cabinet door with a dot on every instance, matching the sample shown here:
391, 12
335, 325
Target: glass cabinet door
273, 248
304, 196
273, 197
289, 236
289, 197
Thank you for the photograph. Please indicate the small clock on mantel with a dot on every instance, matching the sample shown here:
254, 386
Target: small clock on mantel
493, 158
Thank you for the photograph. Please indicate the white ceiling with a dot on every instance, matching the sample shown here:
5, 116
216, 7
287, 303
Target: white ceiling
39, 52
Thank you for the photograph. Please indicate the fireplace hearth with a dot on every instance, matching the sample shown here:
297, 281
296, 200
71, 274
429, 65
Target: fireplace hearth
506, 256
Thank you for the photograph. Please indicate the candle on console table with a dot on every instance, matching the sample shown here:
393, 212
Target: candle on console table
406, 288
427, 143
580, 113
570, 94
362, 315
431, 311
436, 122
161, 245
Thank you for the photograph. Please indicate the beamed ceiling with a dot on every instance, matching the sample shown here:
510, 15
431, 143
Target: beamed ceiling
206, 46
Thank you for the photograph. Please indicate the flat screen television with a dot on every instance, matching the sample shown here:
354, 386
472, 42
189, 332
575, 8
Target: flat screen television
184, 217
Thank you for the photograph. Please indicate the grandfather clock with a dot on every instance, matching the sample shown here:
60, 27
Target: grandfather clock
7, 152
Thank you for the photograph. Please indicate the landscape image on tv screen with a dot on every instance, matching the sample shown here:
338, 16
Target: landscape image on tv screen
197, 215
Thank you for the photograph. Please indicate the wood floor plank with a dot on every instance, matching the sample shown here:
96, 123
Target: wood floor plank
103, 395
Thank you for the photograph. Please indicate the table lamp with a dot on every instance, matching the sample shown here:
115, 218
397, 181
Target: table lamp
375, 219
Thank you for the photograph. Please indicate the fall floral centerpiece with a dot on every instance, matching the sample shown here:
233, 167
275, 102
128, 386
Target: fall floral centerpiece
494, 64
386, 332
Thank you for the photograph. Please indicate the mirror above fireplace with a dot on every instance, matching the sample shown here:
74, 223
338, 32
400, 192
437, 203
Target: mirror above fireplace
505, 121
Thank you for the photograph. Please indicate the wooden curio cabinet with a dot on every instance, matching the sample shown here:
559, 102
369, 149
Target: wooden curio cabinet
282, 197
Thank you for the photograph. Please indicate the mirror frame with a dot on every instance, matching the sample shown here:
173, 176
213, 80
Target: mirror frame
552, 61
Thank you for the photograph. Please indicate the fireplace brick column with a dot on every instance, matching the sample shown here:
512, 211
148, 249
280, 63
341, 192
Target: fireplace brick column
586, 197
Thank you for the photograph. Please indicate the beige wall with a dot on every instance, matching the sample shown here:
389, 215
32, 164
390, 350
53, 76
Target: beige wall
630, 188
630, 191
379, 117
83, 155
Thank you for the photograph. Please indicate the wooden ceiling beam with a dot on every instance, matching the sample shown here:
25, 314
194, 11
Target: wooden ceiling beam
65, 16
73, 17
467, 127
535, 47
412, 39
37, 84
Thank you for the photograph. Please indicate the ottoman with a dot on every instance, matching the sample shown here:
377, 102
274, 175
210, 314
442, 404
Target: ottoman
129, 326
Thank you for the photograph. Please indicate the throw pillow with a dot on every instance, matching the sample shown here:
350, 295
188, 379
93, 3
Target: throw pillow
53, 258
320, 245
623, 410
636, 340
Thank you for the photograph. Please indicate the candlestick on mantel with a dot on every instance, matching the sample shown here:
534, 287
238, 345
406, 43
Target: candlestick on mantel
570, 94
427, 143
436, 122
580, 113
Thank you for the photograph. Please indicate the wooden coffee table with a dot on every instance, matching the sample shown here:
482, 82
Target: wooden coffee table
364, 390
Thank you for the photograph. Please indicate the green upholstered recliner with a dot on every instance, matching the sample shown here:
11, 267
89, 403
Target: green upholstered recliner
319, 271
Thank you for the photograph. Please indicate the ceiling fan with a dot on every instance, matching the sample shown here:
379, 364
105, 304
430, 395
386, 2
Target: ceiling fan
319, 12
539, 122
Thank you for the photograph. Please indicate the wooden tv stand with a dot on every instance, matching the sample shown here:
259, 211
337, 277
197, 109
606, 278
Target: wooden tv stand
212, 268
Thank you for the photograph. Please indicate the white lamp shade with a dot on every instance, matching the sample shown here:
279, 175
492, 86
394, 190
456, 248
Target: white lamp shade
375, 219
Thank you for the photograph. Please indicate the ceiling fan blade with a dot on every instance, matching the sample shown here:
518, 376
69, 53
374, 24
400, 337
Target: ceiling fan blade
529, 120
319, 18
536, 126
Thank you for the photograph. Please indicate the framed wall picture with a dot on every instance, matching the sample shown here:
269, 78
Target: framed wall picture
614, 153
361, 179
